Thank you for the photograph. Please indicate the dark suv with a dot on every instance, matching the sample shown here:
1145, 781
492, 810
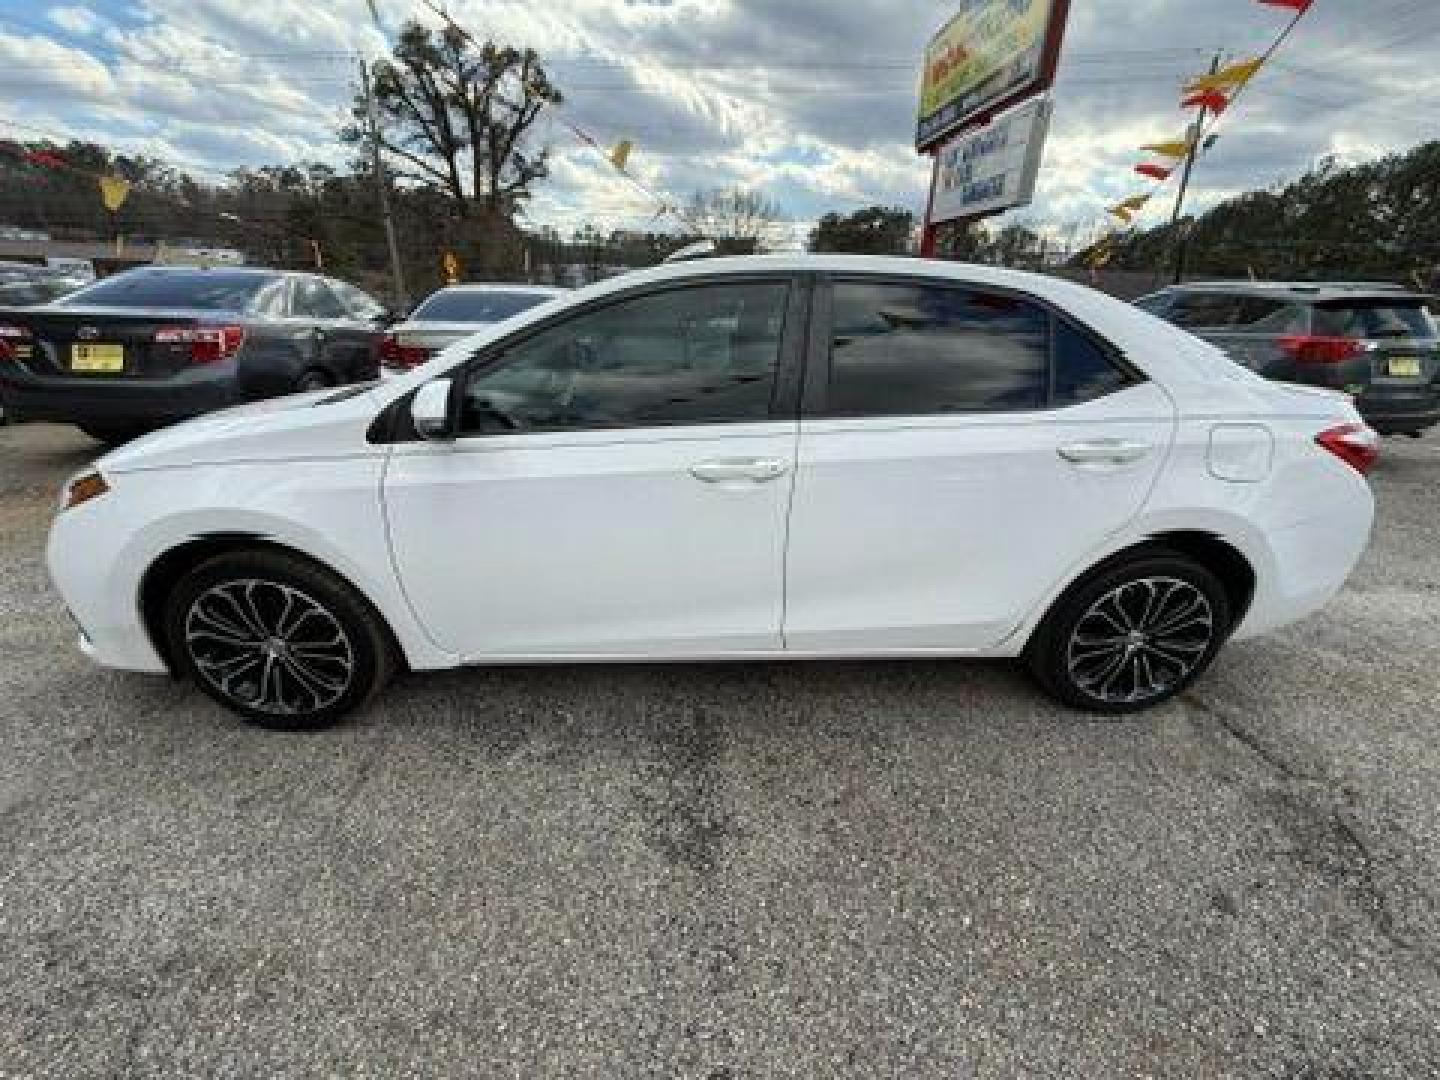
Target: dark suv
1376, 342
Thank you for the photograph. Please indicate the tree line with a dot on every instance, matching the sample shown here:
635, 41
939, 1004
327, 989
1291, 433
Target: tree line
1377, 220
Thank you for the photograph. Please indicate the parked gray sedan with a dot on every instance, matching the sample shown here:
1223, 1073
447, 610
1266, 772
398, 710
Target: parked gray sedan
1374, 341
452, 313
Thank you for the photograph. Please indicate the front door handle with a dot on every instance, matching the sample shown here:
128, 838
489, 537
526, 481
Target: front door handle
1105, 452
739, 470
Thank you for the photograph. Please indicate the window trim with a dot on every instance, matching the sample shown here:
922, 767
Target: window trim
815, 401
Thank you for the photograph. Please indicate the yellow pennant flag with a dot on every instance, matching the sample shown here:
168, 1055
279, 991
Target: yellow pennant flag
1176, 149
620, 156
113, 191
1126, 209
1226, 78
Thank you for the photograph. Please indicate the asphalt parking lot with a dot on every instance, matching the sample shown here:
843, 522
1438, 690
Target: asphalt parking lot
877, 870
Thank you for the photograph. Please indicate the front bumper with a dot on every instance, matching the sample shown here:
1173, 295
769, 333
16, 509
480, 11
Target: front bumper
101, 595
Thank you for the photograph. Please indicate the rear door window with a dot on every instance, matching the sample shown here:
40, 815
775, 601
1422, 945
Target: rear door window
915, 349
1374, 320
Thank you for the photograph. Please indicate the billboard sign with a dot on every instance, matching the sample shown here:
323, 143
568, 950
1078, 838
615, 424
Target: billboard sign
993, 53
992, 168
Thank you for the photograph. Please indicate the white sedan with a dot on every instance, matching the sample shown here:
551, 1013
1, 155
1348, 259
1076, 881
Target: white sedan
741, 459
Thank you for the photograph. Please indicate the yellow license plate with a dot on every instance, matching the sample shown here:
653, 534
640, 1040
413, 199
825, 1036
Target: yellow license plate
1405, 367
97, 356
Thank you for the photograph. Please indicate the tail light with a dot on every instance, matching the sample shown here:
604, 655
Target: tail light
1313, 349
399, 357
208, 344
13, 341
1354, 444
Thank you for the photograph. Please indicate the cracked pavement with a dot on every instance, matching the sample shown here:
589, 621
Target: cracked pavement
867, 869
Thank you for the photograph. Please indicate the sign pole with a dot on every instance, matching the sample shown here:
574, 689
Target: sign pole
930, 232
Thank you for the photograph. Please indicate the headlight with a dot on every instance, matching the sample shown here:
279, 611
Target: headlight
82, 489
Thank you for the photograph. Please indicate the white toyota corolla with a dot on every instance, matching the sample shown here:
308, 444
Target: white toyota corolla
739, 459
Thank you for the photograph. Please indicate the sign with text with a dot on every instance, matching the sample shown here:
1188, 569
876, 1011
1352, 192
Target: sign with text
992, 168
993, 53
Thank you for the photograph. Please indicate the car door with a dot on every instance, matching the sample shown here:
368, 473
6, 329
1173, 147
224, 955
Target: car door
962, 450
366, 321
619, 483
342, 345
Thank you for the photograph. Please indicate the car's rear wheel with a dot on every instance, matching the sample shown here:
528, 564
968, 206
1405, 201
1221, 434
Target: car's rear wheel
277, 639
1132, 635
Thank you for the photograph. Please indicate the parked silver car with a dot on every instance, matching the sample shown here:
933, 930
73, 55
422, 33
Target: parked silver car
452, 313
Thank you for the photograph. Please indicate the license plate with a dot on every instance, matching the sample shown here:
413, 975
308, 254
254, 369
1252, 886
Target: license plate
1405, 367
97, 356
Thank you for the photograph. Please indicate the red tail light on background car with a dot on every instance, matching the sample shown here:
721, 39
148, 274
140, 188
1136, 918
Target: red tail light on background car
1319, 349
12, 338
1355, 444
208, 344
399, 357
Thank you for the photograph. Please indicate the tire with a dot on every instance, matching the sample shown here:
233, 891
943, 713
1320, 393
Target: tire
312, 379
1098, 650
235, 624
115, 434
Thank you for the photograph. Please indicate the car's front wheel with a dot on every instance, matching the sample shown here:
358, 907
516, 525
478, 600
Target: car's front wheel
277, 639
1132, 635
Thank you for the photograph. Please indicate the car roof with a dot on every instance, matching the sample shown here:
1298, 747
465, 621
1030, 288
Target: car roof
189, 269
501, 286
1187, 366
1302, 291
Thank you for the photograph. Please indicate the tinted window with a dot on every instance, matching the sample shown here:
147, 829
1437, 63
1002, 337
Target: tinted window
311, 298
1254, 309
475, 305
1204, 309
360, 303
1082, 370
209, 290
693, 356
1373, 319
1155, 304
921, 349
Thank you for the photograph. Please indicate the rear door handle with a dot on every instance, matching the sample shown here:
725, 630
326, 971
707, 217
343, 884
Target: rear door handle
1105, 452
739, 470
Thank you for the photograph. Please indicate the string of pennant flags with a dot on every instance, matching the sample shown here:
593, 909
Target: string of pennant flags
1213, 96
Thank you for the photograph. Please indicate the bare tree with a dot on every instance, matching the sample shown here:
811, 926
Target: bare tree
459, 116
739, 220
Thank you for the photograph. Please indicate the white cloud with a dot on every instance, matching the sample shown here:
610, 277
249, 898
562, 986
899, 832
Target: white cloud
76, 20
812, 102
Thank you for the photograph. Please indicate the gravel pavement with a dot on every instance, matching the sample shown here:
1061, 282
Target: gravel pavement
812, 870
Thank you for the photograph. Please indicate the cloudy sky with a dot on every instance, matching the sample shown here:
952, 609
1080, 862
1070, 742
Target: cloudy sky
811, 101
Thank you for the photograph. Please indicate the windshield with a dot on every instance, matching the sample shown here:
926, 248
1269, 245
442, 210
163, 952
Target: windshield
209, 290
1374, 319
475, 305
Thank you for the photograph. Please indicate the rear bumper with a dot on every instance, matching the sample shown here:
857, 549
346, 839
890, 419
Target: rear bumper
192, 393
1390, 413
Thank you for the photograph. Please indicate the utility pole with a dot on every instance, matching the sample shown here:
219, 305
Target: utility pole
1182, 242
382, 189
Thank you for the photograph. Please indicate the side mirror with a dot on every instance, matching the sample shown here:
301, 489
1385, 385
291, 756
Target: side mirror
430, 411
